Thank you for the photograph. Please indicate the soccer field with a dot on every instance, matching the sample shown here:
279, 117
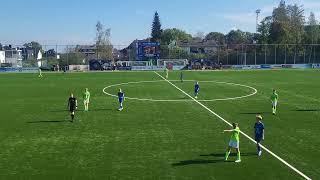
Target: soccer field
161, 133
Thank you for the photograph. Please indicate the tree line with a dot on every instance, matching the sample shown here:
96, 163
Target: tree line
287, 29
286, 25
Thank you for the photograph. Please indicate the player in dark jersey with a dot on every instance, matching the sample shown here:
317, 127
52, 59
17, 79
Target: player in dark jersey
259, 132
196, 90
121, 99
72, 106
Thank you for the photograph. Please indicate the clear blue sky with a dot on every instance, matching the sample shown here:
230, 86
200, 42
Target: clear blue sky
73, 21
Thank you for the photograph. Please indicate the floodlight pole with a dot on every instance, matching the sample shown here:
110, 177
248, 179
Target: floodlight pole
258, 11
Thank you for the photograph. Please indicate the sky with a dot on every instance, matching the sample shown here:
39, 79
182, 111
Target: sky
66, 22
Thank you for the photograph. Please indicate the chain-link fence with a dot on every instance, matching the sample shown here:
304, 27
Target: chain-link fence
239, 54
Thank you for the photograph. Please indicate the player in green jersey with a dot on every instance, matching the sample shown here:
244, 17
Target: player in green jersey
86, 99
181, 76
166, 70
274, 101
234, 142
40, 73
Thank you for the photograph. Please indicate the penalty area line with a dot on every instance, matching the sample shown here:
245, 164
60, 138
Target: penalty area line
244, 134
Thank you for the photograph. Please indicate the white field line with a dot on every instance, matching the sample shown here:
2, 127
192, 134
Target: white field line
263, 147
182, 100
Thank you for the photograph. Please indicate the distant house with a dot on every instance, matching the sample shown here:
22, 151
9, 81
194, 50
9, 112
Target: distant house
11, 56
29, 53
198, 46
2, 56
50, 53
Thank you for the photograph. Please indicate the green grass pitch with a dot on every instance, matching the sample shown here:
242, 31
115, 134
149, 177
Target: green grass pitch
157, 140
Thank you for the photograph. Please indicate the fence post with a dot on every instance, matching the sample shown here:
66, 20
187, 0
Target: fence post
304, 54
285, 54
227, 55
238, 56
265, 54
68, 51
314, 52
255, 55
275, 54
295, 53
218, 54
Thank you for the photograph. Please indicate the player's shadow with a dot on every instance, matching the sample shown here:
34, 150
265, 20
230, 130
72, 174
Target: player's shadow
306, 110
208, 161
59, 110
81, 110
199, 161
255, 113
231, 154
101, 109
54, 121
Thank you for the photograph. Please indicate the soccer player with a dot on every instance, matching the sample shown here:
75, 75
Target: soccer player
40, 73
181, 76
166, 70
234, 142
274, 101
72, 105
259, 132
86, 99
121, 99
196, 90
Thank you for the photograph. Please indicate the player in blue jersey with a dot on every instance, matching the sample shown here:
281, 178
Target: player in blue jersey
259, 132
196, 90
121, 99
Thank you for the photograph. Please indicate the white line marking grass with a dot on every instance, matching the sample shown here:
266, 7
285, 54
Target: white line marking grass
182, 100
244, 134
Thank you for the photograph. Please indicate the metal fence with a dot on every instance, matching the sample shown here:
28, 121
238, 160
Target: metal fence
238, 54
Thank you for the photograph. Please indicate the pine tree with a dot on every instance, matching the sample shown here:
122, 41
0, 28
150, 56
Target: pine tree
156, 28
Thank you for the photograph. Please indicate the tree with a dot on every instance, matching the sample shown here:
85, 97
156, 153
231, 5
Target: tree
174, 34
156, 28
199, 35
72, 56
33, 45
103, 43
216, 36
312, 34
280, 27
297, 21
264, 30
239, 37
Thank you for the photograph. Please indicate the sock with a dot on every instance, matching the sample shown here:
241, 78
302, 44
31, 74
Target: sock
227, 155
258, 147
72, 116
238, 156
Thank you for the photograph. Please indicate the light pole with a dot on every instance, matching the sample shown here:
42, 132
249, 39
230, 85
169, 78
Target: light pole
258, 11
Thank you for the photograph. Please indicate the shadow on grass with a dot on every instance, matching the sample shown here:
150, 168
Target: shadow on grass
101, 109
231, 154
207, 161
256, 113
199, 161
307, 110
59, 110
31, 122
82, 110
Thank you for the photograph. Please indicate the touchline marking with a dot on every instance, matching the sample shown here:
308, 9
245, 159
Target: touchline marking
263, 147
182, 100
